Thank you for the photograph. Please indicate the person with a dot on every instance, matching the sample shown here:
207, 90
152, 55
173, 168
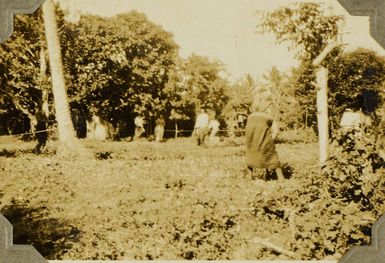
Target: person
201, 127
159, 129
352, 120
41, 130
139, 126
260, 148
100, 132
214, 127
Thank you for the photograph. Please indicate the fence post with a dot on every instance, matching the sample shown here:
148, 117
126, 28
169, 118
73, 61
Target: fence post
176, 130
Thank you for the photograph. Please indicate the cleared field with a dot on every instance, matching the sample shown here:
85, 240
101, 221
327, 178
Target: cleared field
172, 200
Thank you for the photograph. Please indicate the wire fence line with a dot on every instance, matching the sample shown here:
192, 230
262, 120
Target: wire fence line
238, 130
27, 133
54, 129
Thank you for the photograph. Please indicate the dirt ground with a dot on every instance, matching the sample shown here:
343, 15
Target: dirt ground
171, 200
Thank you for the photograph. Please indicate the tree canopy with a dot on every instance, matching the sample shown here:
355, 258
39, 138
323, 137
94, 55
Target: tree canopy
356, 81
118, 64
20, 85
305, 26
308, 30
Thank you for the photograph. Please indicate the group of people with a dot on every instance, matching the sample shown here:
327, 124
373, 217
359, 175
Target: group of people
205, 125
260, 134
159, 127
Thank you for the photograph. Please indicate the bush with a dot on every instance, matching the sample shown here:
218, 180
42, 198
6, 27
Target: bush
355, 169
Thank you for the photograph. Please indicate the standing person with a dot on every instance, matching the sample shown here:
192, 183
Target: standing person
139, 126
41, 130
260, 147
201, 127
159, 129
100, 129
214, 127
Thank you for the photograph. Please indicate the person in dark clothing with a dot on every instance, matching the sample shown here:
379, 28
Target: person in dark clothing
41, 130
260, 147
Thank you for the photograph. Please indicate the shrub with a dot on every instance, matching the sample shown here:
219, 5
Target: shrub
355, 169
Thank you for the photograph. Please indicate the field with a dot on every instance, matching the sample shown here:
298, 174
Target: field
173, 200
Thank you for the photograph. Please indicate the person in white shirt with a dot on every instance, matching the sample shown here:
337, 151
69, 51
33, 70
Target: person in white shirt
139, 126
352, 120
201, 127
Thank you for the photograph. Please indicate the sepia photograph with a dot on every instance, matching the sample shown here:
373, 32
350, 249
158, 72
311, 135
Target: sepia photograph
192, 130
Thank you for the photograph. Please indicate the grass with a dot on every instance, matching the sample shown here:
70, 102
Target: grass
147, 200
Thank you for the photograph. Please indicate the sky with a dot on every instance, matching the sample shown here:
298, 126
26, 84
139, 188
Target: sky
226, 29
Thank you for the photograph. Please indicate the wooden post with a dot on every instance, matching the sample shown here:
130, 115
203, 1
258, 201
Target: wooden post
322, 113
322, 103
176, 130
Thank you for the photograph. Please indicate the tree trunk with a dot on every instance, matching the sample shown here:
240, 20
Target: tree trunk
65, 127
322, 113
43, 71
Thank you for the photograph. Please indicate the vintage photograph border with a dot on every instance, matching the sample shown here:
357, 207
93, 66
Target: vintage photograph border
10, 253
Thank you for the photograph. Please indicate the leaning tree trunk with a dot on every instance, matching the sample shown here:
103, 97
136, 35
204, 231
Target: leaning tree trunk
63, 118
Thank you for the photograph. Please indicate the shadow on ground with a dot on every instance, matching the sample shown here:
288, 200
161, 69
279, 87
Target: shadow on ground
52, 237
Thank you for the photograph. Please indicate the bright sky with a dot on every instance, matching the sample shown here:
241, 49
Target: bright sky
225, 29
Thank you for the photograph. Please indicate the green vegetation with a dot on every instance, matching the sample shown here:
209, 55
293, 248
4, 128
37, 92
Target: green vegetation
175, 200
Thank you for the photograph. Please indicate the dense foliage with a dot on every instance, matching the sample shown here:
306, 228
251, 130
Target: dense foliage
20, 85
356, 171
198, 83
356, 81
114, 67
118, 65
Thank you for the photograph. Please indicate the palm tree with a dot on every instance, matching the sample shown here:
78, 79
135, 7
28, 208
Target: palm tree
273, 81
66, 130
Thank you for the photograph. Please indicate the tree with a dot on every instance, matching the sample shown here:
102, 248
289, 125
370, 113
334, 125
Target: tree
118, 66
195, 83
313, 34
66, 130
240, 99
20, 85
356, 82
308, 31
204, 85
305, 27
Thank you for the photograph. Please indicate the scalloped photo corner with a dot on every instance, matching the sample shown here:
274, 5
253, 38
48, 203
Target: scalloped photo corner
128, 186
8, 8
375, 253
375, 10
10, 253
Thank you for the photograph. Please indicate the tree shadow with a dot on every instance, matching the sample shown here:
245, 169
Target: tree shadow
51, 237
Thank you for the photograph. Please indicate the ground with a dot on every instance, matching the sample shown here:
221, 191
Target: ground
171, 200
